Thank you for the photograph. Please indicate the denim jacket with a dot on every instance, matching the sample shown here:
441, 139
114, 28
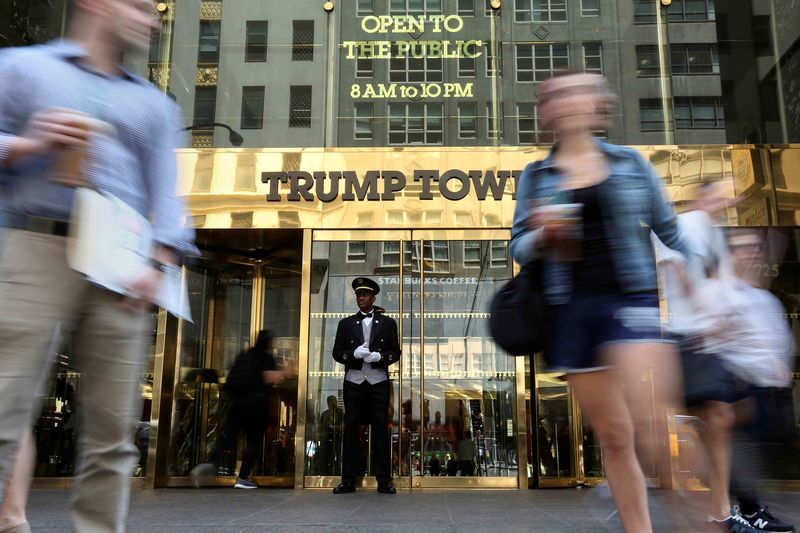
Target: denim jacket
633, 204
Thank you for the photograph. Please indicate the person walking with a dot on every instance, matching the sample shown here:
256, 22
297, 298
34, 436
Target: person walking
248, 384
366, 344
747, 352
600, 280
46, 132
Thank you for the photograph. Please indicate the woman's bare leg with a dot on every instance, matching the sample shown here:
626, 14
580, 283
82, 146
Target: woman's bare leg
602, 400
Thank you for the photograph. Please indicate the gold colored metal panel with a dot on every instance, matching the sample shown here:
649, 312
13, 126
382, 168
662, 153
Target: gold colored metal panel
207, 76
362, 235
521, 418
216, 197
463, 235
302, 364
211, 10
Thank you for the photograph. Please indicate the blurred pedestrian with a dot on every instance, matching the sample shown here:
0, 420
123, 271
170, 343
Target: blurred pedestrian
366, 344
13, 518
103, 127
586, 212
466, 455
746, 351
248, 383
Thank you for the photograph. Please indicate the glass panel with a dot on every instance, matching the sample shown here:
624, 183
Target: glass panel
222, 295
331, 300
554, 420
468, 383
281, 318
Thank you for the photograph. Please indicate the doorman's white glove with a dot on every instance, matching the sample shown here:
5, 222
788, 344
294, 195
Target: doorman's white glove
361, 352
373, 357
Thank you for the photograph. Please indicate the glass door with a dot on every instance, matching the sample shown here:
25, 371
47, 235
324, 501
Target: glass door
454, 409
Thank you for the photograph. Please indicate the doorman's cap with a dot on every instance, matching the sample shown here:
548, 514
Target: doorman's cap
365, 284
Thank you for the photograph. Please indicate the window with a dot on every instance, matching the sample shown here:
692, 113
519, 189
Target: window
363, 113
466, 67
472, 254
300, 106
528, 127
365, 67
590, 8
411, 69
466, 8
540, 10
303, 40
154, 52
647, 63
365, 7
356, 252
467, 120
252, 108
694, 59
415, 123
208, 50
684, 59
651, 114
593, 58
435, 256
490, 122
415, 7
537, 62
498, 256
526, 123
699, 112
390, 254
678, 11
205, 103
691, 10
494, 65
255, 48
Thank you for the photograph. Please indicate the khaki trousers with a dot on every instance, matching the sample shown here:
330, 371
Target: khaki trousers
40, 295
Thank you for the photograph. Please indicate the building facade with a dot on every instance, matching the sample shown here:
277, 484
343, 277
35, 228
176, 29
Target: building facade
328, 140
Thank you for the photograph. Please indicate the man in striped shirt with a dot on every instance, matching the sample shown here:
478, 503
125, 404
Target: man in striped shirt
71, 114
747, 347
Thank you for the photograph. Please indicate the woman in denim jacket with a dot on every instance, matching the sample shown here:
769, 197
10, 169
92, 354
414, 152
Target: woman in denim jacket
600, 280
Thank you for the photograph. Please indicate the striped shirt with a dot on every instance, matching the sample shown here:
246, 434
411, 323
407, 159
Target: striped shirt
136, 162
753, 336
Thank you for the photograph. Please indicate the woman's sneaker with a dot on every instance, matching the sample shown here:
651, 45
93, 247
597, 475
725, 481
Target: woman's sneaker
764, 521
244, 484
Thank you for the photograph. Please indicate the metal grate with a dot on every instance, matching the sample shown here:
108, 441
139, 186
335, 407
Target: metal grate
300, 106
303, 40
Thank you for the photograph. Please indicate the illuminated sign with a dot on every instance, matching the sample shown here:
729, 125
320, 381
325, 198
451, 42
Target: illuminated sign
410, 48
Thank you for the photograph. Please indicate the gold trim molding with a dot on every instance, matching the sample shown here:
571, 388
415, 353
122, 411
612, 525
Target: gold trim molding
206, 76
211, 10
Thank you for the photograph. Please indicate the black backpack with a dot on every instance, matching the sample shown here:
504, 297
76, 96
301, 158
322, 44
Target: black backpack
245, 374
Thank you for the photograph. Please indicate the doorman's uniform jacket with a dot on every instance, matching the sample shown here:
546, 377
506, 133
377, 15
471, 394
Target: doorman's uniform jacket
383, 339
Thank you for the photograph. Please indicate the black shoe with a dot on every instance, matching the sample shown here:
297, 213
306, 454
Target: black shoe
387, 488
344, 488
764, 521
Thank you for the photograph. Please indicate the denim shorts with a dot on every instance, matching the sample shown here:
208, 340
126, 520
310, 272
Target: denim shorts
590, 321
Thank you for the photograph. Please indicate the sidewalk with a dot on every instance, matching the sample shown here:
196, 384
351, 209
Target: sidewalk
284, 510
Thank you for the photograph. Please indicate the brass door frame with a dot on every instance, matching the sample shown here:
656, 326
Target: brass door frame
411, 482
